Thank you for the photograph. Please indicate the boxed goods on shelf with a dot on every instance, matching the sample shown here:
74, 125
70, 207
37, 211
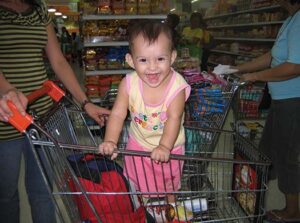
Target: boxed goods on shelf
102, 58
185, 63
101, 31
97, 86
118, 6
128, 7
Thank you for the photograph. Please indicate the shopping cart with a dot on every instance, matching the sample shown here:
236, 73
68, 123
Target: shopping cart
208, 107
210, 102
229, 189
248, 101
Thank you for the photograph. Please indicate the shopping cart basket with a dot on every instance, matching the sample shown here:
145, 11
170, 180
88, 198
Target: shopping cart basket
209, 103
208, 107
230, 188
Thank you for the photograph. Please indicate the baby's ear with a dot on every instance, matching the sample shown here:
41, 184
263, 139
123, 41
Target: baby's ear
129, 60
173, 56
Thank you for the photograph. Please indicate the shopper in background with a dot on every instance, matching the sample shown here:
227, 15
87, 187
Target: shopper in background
25, 31
173, 20
280, 141
79, 48
66, 43
193, 35
207, 44
155, 95
74, 48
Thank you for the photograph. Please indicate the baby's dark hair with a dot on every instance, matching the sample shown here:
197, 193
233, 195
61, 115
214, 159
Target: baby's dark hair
150, 30
295, 2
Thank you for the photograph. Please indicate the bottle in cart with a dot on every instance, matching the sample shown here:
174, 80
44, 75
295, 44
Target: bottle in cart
182, 211
195, 205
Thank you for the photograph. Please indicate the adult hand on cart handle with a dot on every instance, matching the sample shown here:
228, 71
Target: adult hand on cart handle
17, 98
97, 113
248, 77
161, 154
107, 148
245, 77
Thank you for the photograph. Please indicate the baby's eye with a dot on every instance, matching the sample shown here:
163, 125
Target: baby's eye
142, 60
161, 59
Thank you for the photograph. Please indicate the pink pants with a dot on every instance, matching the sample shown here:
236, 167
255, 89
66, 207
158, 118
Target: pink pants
152, 178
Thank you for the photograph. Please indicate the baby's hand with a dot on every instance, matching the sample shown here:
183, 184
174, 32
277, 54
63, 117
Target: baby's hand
107, 148
161, 154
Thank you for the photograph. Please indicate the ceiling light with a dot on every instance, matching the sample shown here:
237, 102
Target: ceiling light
173, 9
64, 16
51, 10
58, 13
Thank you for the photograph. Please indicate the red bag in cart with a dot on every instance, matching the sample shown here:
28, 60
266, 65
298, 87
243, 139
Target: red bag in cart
99, 174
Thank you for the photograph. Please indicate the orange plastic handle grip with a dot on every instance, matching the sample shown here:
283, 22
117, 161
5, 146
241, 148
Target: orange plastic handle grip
21, 122
17, 120
55, 92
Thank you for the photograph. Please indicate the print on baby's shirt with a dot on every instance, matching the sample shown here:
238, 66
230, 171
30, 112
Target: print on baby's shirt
154, 121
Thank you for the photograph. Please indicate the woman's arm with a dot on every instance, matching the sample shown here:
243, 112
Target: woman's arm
281, 72
257, 64
65, 73
61, 67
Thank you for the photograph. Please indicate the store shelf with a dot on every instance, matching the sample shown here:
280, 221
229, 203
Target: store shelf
245, 25
245, 39
263, 9
107, 43
231, 53
121, 17
107, 72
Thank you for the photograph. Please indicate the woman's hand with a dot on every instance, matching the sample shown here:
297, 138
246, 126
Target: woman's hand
97, 113
17, 98
249, 77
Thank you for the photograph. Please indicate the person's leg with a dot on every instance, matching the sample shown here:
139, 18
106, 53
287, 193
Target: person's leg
79, 58
10, 154
290, 212
287, 147
42, 207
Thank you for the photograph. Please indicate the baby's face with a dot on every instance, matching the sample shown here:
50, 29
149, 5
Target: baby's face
152, 62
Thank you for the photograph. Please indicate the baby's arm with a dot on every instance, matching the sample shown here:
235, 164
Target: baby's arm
115, 122
171, 129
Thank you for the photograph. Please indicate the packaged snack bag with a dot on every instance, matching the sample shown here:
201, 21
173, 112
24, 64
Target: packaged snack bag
104, 7
144, 7
118, 6
131, 7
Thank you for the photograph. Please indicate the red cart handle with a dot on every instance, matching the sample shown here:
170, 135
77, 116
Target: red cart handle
21, 122
55, 92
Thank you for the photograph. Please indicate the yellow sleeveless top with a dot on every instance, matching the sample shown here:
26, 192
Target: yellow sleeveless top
148, 120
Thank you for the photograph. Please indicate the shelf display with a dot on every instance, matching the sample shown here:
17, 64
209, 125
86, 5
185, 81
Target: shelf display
243, 30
